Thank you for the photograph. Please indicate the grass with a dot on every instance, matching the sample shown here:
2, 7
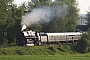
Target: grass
46, 57
37, 50
47, 52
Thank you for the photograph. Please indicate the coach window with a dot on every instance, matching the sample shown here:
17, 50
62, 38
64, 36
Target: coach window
61, 37
55, 37
51, 37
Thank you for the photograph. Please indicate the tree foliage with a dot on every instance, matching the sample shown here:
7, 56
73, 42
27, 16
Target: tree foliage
6, 19
36, 27
10, 17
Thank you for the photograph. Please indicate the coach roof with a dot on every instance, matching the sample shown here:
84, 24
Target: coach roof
66, 33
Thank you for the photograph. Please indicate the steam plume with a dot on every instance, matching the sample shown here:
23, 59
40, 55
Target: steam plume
43, 14
23, 27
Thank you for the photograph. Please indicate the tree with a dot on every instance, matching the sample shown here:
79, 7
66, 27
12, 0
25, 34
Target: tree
10, 18
38, 3
6, 19
72, 15
36, 27
17, 16
52, 26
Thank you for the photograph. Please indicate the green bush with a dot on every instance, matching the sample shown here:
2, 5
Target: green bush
83, 45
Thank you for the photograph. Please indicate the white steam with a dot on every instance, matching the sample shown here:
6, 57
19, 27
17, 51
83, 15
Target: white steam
23, 27
43, 14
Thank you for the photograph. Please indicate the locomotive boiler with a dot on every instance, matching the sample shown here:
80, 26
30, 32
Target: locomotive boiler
31, 38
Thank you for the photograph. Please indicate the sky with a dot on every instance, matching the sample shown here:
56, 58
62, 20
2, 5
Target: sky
83, 5
20, 1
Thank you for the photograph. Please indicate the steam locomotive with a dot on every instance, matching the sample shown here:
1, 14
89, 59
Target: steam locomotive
31, 38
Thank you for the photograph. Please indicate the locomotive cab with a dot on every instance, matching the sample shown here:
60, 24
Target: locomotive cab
20, 39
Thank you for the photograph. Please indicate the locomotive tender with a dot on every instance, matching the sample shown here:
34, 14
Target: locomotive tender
31, 38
